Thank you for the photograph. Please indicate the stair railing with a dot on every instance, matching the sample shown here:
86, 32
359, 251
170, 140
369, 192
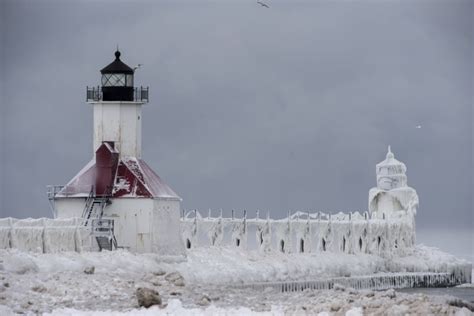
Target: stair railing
88, 207
103, 229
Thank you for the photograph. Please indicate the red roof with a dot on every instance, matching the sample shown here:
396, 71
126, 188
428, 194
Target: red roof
133, 178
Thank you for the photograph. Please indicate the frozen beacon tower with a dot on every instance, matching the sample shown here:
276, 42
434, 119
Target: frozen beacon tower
117, 194
392, 197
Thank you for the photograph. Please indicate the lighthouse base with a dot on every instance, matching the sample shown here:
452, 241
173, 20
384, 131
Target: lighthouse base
141, 225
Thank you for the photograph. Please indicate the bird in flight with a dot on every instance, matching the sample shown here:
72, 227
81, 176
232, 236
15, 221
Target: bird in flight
418, 126
263, 4
137, 66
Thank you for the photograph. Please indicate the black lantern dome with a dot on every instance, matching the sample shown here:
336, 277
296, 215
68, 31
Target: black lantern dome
117, 81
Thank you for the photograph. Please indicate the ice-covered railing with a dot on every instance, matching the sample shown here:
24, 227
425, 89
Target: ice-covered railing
373, 282
44, 235
302, 232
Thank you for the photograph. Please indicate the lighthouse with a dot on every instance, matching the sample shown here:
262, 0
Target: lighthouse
117, 195
392, 197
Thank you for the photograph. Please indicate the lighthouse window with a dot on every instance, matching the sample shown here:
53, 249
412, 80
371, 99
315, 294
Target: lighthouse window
113, 80
129, 81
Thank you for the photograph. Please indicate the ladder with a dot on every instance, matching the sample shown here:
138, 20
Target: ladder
101, 229
95, 208
95, 204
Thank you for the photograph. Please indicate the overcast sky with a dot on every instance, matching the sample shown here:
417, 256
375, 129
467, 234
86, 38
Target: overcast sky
286, 108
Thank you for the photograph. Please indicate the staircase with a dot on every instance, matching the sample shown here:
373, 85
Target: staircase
94, 207
104, 243
101, 229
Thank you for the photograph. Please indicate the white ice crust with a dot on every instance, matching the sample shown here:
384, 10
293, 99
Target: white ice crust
392, 197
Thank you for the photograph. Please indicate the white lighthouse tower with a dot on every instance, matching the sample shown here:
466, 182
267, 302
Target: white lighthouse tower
117, 195
392, 197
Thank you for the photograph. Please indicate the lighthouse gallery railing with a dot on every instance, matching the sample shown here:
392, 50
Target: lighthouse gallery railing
140, 94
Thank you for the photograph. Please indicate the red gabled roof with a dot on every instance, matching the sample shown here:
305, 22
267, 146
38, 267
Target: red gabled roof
133, 178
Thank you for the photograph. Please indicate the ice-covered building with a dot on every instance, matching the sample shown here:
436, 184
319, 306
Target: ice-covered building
387, 229
117, 194
392, 197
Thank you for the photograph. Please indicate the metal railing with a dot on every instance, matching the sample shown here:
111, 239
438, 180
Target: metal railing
140, 94
373, 282
102, 227
93, 94
67, 190
52, 190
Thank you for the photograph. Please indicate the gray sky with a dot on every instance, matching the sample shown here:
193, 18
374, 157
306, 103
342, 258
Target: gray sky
283, 108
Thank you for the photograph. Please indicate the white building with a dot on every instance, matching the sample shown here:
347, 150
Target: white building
392, 196
122, 200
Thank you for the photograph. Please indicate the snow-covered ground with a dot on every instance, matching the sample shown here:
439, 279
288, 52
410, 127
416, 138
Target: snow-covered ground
56, 283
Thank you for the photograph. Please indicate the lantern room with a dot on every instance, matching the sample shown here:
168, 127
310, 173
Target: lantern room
117, 81
117, 84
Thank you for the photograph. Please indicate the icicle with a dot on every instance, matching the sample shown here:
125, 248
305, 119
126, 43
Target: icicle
46, 247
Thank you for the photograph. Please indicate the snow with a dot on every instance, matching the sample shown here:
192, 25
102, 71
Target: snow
227, 263
56, 283
174, 307
223, 265
121, 184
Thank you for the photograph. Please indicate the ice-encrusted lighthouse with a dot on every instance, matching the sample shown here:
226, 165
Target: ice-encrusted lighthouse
392, 196
123, 201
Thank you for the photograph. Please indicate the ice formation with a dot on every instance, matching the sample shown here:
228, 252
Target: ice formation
387, 229
392, 197
315, 232
44, 235
383, 240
